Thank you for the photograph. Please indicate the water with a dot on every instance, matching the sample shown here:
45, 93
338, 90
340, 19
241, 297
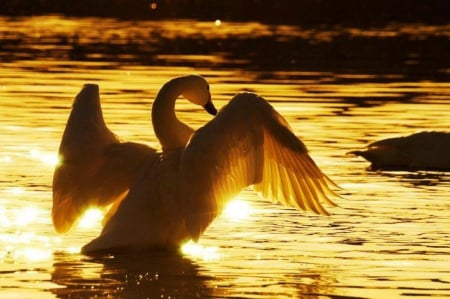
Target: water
389, 238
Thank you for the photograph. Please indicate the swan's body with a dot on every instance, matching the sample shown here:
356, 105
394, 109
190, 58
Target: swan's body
423, 150
179, 191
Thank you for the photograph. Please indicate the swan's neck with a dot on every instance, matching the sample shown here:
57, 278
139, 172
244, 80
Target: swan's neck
169, 130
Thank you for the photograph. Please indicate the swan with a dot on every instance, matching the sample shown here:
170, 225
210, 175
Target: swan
422, 150
178, 191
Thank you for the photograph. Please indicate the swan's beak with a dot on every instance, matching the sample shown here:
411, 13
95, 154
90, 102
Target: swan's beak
209, 107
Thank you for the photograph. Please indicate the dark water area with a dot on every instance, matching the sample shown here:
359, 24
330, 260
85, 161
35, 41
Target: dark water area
407, 51
304, 12
410, 39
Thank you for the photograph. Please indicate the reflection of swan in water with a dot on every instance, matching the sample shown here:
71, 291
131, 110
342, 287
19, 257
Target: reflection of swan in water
168, 275
161, 274
181, 190
423, 150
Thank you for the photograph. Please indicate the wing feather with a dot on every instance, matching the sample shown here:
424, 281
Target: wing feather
248, 143
311, 184
297, 192
95, 168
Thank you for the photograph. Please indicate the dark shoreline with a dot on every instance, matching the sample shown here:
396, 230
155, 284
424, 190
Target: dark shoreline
408, 55
357, 13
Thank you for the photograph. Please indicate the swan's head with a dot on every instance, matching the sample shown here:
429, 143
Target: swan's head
196, 90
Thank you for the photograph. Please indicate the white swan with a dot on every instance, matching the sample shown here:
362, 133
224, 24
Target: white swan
180, 190
423, 150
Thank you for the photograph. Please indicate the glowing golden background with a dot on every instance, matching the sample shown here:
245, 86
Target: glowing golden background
389, 238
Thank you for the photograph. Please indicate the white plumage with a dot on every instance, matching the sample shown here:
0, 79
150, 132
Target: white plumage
179, 191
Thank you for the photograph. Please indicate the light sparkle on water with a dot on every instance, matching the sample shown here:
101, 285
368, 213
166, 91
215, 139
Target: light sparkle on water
18, 218
237, 210
46, 158
198, 251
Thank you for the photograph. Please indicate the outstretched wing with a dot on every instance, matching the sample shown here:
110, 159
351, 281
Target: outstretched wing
248, 143
95, 168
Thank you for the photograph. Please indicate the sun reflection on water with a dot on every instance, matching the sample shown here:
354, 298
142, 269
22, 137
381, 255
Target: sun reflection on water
237, 210
205, 253
26, 254
26, 247
46, 158
19, 218
15, 190
6, 159
25, 216
36, 254
20, 239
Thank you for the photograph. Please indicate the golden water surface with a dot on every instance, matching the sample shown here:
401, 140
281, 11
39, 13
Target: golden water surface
388, 238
